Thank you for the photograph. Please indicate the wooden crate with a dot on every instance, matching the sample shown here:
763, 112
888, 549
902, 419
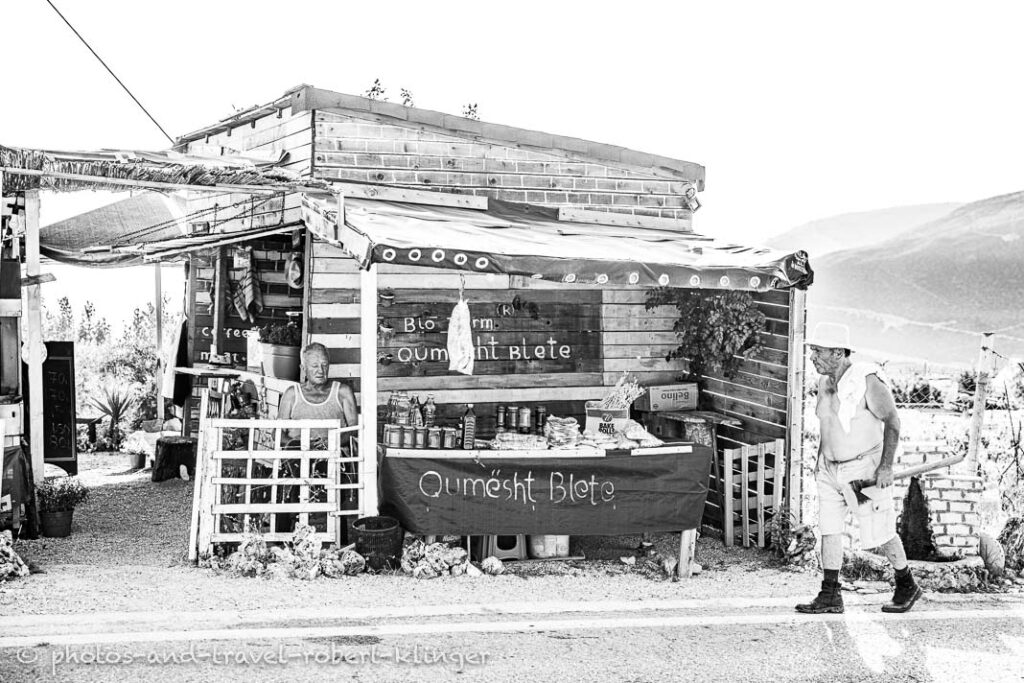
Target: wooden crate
752, 476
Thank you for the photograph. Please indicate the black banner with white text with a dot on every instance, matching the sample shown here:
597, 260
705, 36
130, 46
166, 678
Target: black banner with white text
615, 494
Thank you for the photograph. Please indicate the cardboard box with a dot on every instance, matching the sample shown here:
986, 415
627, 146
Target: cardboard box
605, 420
668, 397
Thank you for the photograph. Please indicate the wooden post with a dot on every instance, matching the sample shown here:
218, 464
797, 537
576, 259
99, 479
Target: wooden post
687, 547
980, 394
33, 352
368, 386
220, 279
793, 468
159, 341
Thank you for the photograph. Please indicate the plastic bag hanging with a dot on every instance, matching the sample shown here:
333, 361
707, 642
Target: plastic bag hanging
460, 336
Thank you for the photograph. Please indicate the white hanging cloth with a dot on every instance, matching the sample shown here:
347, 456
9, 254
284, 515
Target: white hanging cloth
460, 338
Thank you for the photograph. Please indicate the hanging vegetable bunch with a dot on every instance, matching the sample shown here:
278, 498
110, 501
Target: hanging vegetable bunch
716, 330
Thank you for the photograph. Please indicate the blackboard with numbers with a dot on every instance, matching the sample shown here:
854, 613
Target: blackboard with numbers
59, 428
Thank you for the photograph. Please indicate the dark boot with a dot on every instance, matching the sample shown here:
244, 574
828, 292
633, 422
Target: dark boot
906, 594
829, 600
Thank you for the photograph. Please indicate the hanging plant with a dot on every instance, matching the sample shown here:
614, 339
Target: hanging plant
716, 330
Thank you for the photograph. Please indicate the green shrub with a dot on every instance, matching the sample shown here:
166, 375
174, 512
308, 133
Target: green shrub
283, 334
59, 494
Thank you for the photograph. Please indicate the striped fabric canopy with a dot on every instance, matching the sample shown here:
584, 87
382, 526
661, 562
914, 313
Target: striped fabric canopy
526, 240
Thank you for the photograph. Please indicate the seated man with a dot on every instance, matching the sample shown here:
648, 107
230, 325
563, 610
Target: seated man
318, 398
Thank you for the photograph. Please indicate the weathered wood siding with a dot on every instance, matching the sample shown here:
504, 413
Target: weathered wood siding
290, 134
271, 254
375, 150
629, 339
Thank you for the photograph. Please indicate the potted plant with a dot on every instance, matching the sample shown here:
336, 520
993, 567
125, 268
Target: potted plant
279, 349
115, 403
57, 498
137, 459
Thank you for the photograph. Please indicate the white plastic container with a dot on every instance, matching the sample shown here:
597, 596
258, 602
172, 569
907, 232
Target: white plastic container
546, 546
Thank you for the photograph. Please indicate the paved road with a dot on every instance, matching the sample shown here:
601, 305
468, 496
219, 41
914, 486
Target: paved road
947, 638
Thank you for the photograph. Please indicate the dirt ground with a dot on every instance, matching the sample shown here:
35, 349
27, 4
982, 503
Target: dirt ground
127, 553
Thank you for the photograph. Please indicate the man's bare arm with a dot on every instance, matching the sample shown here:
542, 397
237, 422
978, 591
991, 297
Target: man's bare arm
348, 404
284, 408
881, 404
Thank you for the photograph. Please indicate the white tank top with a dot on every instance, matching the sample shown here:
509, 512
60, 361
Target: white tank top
329, 409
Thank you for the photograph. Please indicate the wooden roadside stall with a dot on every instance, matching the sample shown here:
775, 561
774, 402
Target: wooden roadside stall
554, 242
387, 162
536, 314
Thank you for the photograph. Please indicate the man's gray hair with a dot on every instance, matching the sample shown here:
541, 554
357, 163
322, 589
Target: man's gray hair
315, 347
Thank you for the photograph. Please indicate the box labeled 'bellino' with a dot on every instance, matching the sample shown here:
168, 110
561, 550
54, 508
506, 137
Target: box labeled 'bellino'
668, 397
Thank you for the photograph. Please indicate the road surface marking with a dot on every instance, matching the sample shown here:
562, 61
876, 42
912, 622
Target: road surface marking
530, 626
18, 623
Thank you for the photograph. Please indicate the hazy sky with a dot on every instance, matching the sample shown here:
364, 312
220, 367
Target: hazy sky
798, 110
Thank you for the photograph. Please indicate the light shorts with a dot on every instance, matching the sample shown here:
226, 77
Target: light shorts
877, 516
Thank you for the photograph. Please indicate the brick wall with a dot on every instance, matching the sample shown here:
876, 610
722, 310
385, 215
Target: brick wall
954, 501
954, 511
365, 150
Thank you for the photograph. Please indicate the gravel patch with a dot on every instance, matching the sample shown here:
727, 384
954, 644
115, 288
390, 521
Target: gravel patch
127, 553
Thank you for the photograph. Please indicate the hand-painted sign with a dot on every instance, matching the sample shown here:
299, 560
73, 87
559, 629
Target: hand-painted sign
616, 494
513, 333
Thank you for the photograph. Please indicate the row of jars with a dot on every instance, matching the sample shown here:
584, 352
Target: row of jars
405, 436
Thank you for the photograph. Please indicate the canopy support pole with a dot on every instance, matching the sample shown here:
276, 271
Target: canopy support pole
368, 386
219, 314
34, 335
794, 403
158, 286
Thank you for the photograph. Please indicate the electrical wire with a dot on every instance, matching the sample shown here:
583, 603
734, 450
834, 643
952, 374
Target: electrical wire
84, 42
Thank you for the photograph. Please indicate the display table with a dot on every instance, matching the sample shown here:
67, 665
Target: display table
698, 426
579, 491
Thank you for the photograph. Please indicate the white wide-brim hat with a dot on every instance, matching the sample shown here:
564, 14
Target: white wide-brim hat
830, 336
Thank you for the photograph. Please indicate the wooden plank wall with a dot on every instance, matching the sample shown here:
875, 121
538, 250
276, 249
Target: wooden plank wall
271, 255
291, 134
632, 339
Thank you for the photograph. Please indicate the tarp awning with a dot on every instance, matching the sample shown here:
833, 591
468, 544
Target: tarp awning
529, 241
144, 217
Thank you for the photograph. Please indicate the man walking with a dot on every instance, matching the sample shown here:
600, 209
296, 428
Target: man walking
860, 432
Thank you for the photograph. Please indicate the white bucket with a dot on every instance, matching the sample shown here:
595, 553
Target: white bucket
543, 547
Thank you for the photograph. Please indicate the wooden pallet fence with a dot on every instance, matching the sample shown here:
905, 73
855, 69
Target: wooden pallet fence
751, 494
271, 476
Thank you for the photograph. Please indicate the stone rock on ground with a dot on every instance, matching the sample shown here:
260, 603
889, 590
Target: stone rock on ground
11, 564
1012, 540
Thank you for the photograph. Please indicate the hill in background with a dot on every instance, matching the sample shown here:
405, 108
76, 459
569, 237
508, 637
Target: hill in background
853, 230
929, 291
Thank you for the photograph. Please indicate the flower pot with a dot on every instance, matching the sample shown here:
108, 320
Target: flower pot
136, 461
56, 524
279, 361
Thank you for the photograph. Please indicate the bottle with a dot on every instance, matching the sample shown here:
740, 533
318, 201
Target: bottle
469, 428
429, 412
417, 413
392, 409
402, 409
542, 412
499, 419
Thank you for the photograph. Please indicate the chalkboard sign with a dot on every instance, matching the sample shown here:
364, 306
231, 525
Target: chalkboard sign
513, 333
60, 445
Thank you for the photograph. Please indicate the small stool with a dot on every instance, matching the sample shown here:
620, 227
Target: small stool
504, 547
